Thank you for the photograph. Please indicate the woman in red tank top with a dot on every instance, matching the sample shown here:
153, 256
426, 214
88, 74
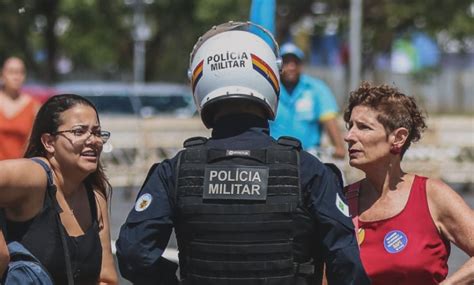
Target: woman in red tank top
404, 222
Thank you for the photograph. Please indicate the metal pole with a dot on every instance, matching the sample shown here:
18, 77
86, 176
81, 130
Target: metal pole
139, 42
355, 43
139, 62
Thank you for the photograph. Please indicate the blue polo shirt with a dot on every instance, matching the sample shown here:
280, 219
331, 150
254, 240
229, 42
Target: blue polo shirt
301, 113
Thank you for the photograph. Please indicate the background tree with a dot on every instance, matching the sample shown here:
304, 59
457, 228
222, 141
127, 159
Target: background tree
177, 25
96, 35
28, 32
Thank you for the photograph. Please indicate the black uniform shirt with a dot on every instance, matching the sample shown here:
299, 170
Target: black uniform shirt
145, 234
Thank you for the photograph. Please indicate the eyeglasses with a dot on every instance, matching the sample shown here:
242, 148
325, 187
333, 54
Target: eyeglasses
85, 134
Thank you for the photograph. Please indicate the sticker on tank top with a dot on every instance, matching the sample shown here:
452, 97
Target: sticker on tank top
395, 241
143, 202
360, 236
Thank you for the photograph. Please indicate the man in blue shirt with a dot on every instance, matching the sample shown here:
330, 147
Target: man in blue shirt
246, 209
306, 106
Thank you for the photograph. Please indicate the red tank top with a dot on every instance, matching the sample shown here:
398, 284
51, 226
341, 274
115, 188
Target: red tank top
407, 248
15, 131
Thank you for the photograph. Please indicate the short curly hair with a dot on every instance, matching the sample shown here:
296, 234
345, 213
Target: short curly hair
395, 109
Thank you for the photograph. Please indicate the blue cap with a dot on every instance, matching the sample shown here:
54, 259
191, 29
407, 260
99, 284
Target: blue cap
291, 48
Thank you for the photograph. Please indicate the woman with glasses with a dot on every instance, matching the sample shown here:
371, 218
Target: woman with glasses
66, 140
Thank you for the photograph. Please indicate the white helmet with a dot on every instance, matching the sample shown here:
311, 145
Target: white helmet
235, 60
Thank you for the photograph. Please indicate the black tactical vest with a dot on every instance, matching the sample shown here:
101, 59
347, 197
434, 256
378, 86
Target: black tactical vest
239, 216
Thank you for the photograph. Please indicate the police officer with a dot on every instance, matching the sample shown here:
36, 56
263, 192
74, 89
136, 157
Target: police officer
246, 209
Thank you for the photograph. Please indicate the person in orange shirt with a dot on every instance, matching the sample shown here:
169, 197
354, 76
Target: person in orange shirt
17, 110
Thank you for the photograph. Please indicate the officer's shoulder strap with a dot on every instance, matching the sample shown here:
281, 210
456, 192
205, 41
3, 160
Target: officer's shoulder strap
289, 141
173, 190
337, 172
289, 154
194, 141
285, 150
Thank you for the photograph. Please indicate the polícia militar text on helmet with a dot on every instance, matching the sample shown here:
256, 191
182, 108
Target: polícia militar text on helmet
238, 61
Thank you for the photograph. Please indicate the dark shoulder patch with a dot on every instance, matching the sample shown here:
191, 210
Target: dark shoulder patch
194, 141
336, 171
289, 141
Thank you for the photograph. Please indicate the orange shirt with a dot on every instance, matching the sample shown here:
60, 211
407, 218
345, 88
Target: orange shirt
15, 131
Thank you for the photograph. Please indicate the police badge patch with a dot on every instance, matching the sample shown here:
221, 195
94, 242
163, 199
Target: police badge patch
143, 202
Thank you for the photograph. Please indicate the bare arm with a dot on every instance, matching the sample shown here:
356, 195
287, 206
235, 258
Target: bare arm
455, 221
108, 273
335, 136
4, 255
22, 187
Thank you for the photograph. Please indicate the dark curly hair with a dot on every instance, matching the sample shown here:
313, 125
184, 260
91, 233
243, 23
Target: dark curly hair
394, 108
48, 120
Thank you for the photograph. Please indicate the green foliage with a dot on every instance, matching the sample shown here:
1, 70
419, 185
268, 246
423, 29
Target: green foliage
178, 25
97, 34
17, 22
288, 12
386, 19
218, 11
